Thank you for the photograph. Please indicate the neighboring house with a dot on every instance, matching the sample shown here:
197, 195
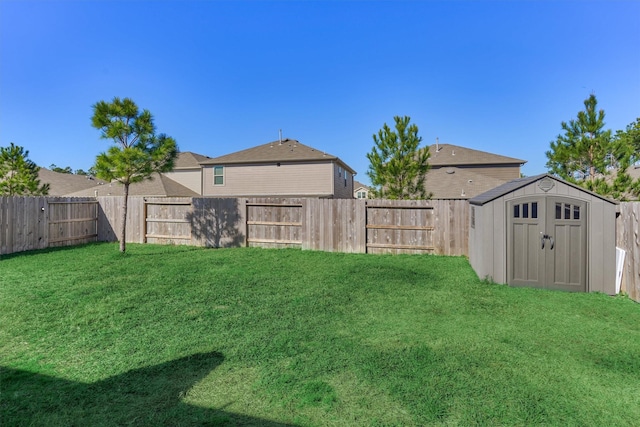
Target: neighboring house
187, 170
158, 186
461, 173
283, 168
360, 191
61, 184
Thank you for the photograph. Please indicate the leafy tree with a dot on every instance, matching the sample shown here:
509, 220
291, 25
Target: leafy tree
584, 151
18, 174
397, 166
138, 152
81, 172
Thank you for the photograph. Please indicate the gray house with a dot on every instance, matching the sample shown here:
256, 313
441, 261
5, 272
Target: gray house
544, 232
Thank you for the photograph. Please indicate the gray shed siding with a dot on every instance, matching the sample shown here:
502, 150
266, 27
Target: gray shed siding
487, 241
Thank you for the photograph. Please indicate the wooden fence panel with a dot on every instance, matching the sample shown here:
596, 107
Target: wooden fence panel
274, 222
167, 220
72, 221
400, 227
218, 222
335, 225
628, 238
28, 223
110, 214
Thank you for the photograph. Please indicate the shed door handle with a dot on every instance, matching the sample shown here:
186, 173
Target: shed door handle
542, 240
553, 242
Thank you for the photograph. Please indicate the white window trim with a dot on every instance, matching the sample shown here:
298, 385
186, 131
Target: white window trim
224, 178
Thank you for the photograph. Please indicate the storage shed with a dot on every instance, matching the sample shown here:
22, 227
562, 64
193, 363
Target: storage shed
544, 232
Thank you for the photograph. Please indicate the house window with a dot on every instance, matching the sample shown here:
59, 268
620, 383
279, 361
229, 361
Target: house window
345, 177
361, 195
218, 175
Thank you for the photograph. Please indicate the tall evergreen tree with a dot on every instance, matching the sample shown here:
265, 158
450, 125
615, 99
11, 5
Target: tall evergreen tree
627, 152
584, 151
398, 166
138, 152
18, 174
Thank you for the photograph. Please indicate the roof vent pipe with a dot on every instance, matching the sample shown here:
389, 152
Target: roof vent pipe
437, 144
280, 136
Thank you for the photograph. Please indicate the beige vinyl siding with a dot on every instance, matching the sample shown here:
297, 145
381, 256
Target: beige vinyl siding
192, 179
288, 179
506, 173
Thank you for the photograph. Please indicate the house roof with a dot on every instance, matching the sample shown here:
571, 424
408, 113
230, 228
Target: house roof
64, 183
358, 185
289, 150
453, 155
158, 186
189, 160
458, 183
516, 184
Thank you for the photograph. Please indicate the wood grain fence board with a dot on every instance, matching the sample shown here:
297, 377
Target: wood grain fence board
274, 222
218, 222
4, 224
72, 221
166, 221
400, 226
628, 238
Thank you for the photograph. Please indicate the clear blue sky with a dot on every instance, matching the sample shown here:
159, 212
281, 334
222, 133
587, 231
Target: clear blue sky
497, 76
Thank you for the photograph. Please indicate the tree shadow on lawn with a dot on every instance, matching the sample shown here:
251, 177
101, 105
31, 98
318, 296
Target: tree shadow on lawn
150, 396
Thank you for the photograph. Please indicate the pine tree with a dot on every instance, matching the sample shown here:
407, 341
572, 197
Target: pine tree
398, 166
584, 151
627, 152
138, 152
18, 174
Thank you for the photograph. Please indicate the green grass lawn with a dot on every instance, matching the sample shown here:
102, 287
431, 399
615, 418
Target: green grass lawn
168, 335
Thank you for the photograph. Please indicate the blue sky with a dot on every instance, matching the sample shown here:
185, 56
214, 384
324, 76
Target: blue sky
496, 76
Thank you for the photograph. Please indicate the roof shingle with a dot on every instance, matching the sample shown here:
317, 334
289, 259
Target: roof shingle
453, 155
289, 150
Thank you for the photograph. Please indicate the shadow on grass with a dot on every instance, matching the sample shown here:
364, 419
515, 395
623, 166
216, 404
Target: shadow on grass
151, 396
47, 250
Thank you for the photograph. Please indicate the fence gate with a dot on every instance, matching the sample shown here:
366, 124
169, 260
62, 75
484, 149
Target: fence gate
72, 222
167, 222
274, 224
399, 229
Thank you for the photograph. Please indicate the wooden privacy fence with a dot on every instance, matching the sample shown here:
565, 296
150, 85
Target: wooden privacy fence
628, 238
340, 225
274, 223
28, 223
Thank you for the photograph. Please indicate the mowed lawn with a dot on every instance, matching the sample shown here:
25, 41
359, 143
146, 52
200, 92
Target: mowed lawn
169, 335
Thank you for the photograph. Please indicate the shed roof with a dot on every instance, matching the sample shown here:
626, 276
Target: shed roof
516, 184
276, 151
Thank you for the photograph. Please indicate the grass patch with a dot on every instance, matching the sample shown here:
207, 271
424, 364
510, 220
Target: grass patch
170, 335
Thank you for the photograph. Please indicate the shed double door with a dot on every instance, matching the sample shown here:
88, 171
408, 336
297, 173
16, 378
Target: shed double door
547, 243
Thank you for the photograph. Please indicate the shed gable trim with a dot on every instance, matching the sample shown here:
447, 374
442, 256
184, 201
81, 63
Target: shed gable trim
519, 183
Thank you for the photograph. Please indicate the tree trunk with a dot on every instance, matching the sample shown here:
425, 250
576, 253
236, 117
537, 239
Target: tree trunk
123, 225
